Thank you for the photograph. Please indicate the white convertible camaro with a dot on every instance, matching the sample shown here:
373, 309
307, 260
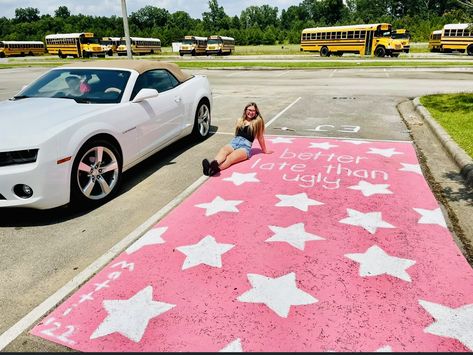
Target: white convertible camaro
69, 135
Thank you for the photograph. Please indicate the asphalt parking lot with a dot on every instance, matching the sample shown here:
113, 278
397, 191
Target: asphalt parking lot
358, 104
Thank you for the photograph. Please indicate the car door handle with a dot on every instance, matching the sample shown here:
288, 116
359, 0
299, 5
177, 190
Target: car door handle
178, 99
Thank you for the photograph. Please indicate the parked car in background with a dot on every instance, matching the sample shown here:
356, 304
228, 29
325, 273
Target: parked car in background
69, 135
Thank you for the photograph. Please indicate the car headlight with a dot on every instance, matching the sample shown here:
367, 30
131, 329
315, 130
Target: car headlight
18, 157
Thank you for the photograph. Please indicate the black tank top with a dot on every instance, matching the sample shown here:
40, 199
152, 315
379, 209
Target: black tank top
245, 133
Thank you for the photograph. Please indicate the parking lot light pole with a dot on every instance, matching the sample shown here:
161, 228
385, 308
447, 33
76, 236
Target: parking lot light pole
127, 30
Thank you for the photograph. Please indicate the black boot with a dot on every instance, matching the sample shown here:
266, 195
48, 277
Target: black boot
206, 167
214, 168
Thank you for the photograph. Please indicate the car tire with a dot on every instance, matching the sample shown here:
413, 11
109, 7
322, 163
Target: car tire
96, 173
202, 121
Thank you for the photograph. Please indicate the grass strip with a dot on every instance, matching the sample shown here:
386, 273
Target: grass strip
454, 112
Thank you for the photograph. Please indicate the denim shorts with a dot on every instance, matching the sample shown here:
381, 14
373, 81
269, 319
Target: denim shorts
241, 143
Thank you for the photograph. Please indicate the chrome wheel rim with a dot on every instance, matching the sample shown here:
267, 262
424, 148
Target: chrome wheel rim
203, 120
97, 173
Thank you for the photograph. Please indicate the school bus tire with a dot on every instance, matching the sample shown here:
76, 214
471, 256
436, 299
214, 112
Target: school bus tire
110, 53
380, 52
324, 52
86, 54
469, 50
193, 52
2, 55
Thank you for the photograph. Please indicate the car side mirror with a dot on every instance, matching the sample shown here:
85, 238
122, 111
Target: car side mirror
144, 94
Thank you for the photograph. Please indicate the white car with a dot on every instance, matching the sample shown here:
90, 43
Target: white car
69, 135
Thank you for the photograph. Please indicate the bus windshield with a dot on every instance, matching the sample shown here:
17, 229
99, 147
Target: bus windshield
90, 40
187, 41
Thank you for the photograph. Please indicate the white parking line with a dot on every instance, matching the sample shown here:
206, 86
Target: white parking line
27, 321
283, 73
233, 74
280, 113
386, 73
332, 73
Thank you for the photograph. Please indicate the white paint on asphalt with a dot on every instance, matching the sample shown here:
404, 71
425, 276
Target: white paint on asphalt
280, 113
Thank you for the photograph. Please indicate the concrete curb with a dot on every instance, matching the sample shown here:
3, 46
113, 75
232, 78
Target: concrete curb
461, 158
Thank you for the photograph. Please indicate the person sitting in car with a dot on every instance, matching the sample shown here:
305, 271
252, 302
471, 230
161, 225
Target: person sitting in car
77, 86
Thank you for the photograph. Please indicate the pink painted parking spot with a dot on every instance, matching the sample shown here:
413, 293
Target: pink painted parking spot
324, 245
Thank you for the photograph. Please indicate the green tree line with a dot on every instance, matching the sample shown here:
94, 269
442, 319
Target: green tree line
263, 24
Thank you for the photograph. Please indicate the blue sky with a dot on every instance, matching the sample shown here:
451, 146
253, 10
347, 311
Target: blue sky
113, 7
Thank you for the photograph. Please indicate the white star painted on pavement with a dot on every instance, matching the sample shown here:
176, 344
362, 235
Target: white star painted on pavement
280, 140
130, 317
370, 221
151, 237
279, 294
385, 349
369, 189
456, 323
294, 235
324, 145
239, 179
207, 251
375, 261
356, 142
414, 168
233, 347
384, 152
434, 216
300, 201
219, 205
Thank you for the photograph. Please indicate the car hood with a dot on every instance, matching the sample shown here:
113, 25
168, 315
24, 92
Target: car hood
27, 123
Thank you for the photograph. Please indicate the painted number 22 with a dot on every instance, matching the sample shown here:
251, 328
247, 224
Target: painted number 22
51, 332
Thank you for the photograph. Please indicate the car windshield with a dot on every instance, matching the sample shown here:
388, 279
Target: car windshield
96, 86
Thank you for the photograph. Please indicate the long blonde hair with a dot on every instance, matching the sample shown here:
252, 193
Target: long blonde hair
256, 124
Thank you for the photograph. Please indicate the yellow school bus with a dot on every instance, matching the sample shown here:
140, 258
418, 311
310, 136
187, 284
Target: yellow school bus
140, 45
21, 48
457, 37
404, 36
220, 45
77, 45
434, 41
193, 45
110, 44
372, 39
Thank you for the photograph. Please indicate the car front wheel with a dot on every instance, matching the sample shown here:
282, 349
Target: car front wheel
96, 173
202, 121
